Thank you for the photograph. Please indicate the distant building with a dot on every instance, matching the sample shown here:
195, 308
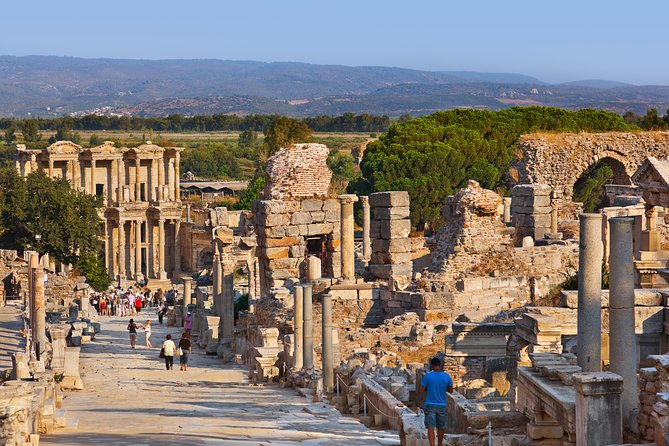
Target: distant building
211, 190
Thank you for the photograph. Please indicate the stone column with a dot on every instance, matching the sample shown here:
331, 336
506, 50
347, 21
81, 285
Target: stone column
554, 217
506, 216
188, 292
177, 159
622, 337
113, 172
298, 325
58, 344
598, 408
177, 246
328, 356
161, 178
108, 262
50, 168
161, 249
366, 221
40, 312
188, 220
347, 241
92, 178
121, 180
84, 303
217, 289
168, 179
69, 173
33, 162
138, 189
589, 317
313, 268
33, 264
121, 250
138, 249
308, 336
228, 297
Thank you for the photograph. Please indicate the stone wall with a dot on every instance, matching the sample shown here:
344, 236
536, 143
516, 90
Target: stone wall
560, 159
298, 171
531, 210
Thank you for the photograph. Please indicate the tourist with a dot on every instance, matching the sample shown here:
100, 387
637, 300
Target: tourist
138, 303
168, 351
186, 349
132, 330
162, 309
188, 324
433, 387
147, 333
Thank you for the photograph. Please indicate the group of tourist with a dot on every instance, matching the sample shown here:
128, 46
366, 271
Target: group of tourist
130, 302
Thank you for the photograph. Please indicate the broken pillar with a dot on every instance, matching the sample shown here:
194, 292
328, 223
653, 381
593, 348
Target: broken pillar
506, 216
217, 289
328, 356
554, 214
39, 313
308, 335
314, 266
347, 242
598, 408
211, 334
622, 337
58, 343
188, 293
366, 221
20, 369
228, 304
71, 378
298, 323
589, 316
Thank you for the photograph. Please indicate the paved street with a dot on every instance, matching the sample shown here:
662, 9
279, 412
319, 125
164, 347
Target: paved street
11, 340
130, 399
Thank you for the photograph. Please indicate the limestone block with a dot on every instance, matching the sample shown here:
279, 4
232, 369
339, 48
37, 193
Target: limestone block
281, 242
318, 217
375, 229
332, 216
269, 336
388, 199
274, 232
282, 274
391, 213
284, 263
312, 204
275, 219
396, 245
393, 229
319, 229
331, 204
530, 190
297, 251
301, 218
528, 242
292, 231
389, 258
71, 378
277, 253
388, 271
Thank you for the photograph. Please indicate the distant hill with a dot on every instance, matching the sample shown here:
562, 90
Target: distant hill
52, 86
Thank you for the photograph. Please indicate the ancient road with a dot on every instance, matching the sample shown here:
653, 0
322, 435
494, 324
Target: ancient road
130, 399
11, 340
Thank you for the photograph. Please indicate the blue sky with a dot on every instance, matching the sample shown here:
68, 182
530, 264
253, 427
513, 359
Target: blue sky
553, 40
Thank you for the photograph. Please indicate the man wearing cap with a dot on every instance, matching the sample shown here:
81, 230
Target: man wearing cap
433, 387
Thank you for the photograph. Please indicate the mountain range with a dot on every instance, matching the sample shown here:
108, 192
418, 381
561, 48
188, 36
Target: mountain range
55, 86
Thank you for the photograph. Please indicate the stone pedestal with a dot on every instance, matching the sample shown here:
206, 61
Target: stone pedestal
298, 326
71, 378
20, 369
598, 408
211, 335
347, 236
589, 323
308, 336
58, 344
313, 268
328, 357
622, 337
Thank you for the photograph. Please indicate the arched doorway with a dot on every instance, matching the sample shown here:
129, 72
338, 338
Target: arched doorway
589, 186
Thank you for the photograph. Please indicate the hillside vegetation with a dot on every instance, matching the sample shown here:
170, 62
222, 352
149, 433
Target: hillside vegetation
433, 156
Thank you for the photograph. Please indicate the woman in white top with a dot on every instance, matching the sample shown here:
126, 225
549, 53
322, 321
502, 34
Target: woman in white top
169, 350
147, 333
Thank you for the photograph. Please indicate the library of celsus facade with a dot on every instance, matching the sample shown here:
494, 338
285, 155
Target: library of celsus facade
142, 210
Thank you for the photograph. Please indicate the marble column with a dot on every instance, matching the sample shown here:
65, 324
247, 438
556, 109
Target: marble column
217, 279
506, 216
188, 220
589, 316
33, 162
308, 334
188, 291
69, 173
138, 184
50, 168
347, 241
92, 178
554, 217
177, 192
121, 250
33, 264
328, 353
121, 180
138, 249
177, 246
113, 172
298, 325
228, 294
161, 249
598, 408
366, 221
40, 312
622, 337
161, 178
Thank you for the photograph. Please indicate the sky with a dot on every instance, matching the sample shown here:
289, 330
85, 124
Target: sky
555, 41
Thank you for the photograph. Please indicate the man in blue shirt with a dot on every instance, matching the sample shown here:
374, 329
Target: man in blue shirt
434, 386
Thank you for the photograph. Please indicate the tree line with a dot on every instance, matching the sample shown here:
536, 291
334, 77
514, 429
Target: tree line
650, 121
348, 122
433, 156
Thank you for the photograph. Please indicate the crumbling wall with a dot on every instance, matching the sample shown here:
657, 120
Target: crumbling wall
298, 171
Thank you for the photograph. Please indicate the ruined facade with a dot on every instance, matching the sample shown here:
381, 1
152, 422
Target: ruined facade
140, 191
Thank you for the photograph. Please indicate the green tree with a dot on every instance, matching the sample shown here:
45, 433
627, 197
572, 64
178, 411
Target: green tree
30, 131
95, 140
66, 220
343, 170
10, 135
248, 138
89, 265
285, 131
256, 186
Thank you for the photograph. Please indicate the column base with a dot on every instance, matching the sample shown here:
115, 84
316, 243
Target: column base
162, 275
343, 280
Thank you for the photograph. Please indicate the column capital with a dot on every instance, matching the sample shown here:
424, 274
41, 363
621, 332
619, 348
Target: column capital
597, 383
347, 198
364, 200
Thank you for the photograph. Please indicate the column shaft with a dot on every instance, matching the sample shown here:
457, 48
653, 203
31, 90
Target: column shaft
622, 337
138, 248
328, 356
177, 159
161, 249
217, 289
308, 336
347, 237
177, 246
138, 188
366, 221
589, 316
161, 178
92, 178
298, 325
228, 300
40, 312
121, 250
120, 181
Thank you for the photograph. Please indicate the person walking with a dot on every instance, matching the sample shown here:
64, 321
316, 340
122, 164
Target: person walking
162, 309
147, 333
132, 330
186, 349
188, 324
168, 351
433, 388
138, 303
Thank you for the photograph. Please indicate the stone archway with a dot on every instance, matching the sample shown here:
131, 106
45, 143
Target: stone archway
560, 159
